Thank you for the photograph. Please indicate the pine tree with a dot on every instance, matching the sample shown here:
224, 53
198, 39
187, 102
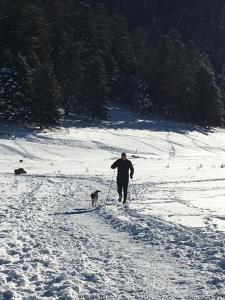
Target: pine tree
122, 48
209, 105
96, 87
22, 101
71, 76
123, 62
64, 51
140, 48
184, 85
14, 85
167, 74
104, 31
45, 95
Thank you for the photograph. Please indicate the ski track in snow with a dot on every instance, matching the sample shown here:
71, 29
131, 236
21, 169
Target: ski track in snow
167, 244
56, 247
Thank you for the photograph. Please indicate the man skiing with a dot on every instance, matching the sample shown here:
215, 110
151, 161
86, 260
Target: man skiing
124, 166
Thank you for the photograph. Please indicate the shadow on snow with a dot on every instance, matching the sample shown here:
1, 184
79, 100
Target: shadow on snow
120, 117
77, 211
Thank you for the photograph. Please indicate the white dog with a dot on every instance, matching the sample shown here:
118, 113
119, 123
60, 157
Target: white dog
94, 198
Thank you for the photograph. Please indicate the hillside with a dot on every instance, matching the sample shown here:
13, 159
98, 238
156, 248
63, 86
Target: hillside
168, 243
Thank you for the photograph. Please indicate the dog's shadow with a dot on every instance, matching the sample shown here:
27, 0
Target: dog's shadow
77, 211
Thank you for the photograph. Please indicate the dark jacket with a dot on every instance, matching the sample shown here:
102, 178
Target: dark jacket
123, 168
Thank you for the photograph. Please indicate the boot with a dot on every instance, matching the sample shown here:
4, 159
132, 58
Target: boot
120, 198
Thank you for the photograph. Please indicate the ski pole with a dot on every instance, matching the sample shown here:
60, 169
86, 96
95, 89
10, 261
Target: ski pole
110, 187
135, 191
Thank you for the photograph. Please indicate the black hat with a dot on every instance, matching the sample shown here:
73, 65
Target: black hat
123, 154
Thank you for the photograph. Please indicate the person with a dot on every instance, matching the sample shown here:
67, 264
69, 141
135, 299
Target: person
123, 166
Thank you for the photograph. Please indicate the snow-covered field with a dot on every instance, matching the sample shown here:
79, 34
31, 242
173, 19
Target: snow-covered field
169, 242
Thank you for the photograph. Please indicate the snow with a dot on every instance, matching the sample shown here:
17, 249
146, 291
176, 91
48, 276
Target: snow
167, 244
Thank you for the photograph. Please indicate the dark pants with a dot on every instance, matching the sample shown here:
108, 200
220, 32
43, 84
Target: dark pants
122, 185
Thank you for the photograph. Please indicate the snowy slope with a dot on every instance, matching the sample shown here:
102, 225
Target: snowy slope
169, 243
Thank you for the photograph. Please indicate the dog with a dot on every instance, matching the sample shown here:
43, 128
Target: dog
94, 198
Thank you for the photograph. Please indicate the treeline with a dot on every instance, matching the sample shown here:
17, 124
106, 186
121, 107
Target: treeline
69, 56
202, 21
